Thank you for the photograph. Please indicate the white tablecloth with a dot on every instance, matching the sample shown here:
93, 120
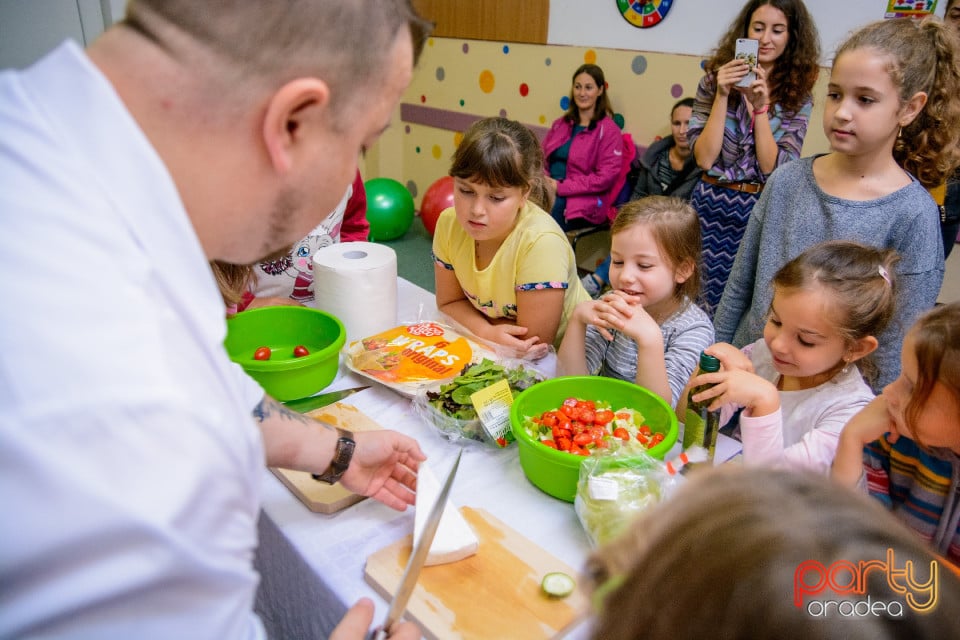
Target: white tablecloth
312, 564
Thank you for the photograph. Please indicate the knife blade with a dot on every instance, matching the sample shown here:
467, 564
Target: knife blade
310, 403
417, 557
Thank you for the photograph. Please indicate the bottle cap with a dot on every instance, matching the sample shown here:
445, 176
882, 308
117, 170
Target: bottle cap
708, 363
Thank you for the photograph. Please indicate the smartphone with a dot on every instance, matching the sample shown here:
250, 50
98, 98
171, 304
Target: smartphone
747, 49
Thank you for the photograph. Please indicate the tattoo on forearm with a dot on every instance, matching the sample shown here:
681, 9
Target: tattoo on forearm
268, 407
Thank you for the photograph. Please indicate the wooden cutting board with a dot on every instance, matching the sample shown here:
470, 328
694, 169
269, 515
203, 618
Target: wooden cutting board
318, 496
493, 594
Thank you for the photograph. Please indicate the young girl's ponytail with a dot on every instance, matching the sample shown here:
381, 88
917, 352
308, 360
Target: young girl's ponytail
928, 146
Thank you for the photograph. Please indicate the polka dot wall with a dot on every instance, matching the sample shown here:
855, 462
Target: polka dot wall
459, 80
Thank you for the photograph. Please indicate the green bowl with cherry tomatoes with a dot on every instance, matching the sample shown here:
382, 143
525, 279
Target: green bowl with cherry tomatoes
269, 344
555, 471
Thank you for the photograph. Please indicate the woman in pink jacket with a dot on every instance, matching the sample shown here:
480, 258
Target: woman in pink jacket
584, 153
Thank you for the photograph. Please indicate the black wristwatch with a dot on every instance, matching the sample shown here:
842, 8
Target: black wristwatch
341, 458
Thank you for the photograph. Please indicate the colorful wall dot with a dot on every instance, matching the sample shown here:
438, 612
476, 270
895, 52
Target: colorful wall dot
423, 98
406, 129
437, 151
524, 89
542, 119
506, 48
486, 81
503, 113
462, 102
417, 148
465, 47
676, 91
565, 102
412, 188
548, 62
440, 74
590, 56
457, 139
618, 118
639, 64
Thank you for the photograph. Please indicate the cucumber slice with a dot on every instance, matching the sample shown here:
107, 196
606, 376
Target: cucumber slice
558, 584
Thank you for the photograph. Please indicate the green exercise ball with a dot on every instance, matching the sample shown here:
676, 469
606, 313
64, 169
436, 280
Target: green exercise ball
390, 209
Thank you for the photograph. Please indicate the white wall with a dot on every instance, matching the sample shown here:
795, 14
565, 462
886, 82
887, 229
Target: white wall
693, 26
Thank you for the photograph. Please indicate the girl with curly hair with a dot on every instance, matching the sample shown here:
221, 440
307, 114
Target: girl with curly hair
891, 118
741, 134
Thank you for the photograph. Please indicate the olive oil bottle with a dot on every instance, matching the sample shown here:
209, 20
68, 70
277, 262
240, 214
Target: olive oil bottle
701, 428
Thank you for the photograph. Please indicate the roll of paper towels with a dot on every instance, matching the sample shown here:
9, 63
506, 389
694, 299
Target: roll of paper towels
357, 282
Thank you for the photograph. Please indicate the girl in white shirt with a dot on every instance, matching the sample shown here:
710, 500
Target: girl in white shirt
800, 384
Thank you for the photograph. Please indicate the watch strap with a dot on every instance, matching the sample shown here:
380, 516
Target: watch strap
341, 458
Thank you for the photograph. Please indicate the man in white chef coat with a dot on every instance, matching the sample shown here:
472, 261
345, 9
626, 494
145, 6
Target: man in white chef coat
129, 462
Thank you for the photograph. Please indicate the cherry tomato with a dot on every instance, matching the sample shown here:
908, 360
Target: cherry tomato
623, 415
563, 444
586, 404
582, 439
299, 351
621, 433
262, 353
570, 411
588, 416
549, 419
642, 438
570, 402
645, 429
657, 437
549, 443
603, 416
602, 444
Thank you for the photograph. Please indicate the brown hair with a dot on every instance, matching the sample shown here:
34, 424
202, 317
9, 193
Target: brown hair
502, 153
232, 279
859, 278
936, 338
603, 107
921, 57
719, 560
797, 67
676, 229
255, 42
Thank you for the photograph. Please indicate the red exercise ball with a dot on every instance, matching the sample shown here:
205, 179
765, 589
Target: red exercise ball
437, 198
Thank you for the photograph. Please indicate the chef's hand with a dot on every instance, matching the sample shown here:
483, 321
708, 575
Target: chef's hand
356, 624
384, 467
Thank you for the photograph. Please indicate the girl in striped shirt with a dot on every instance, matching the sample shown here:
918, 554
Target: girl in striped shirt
904, 447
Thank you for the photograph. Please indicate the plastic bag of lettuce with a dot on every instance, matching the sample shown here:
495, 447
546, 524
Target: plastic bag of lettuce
615, 486
449, 406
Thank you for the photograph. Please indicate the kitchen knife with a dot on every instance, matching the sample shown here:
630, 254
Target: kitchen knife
417, 557
310, 403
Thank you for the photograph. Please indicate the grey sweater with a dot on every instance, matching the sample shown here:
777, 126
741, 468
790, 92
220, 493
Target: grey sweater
793, 213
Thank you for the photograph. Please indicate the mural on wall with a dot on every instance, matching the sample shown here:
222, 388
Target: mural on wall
644, 13
458, 81
910, 8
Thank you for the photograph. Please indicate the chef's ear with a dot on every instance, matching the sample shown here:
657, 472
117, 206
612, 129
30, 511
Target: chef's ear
293, 112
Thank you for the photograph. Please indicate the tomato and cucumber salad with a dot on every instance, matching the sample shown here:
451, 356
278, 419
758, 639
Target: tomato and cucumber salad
580, 426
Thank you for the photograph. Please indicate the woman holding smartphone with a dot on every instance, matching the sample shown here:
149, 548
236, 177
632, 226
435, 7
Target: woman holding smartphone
740, 134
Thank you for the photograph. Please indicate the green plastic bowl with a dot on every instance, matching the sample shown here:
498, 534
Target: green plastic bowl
557, 472
282, 328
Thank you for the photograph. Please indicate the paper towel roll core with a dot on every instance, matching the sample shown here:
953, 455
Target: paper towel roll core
357, 282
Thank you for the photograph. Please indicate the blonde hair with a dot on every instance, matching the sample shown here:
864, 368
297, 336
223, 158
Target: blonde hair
859, 278
922, 57
233, 280
723, 554
502, 153
676, 229
936, 340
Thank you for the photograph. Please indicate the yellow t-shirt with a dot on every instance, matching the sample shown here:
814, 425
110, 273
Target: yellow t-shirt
536, 255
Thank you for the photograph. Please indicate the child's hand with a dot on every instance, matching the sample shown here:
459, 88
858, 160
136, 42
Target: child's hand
730, 357
870, 423
740, 387
511, 336
623, 312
